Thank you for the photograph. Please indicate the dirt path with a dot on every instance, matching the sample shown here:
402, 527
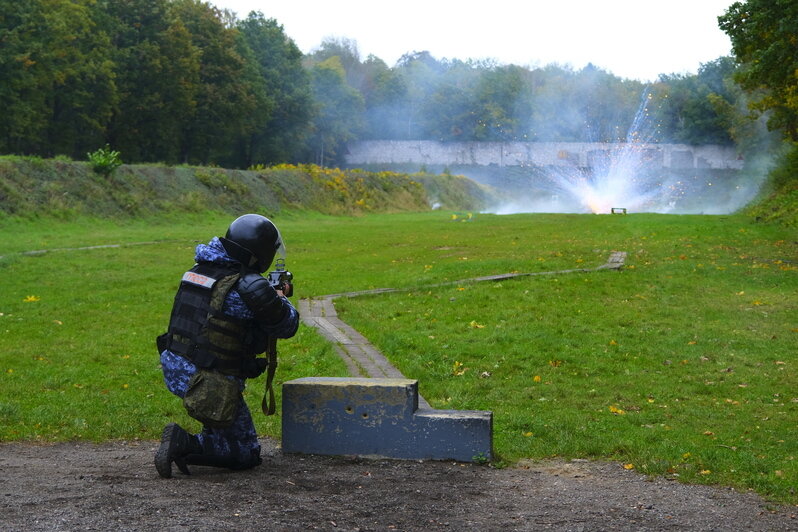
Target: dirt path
114, 486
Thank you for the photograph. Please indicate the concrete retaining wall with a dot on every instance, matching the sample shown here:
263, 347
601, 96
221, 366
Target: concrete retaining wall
502, 154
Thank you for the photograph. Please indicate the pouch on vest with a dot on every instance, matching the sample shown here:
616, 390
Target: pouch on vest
212, 398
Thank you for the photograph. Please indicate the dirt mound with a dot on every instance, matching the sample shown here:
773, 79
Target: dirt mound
81, 486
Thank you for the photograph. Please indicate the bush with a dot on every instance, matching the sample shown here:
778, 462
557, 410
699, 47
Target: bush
104, 161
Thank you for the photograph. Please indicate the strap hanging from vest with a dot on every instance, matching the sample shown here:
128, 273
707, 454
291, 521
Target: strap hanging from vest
268, 404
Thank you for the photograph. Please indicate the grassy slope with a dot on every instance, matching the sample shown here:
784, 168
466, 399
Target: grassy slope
778, 200
65, 189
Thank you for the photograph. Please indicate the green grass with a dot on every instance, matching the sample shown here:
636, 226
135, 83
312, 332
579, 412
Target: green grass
681, 365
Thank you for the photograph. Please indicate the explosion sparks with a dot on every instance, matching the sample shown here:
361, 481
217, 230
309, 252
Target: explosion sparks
637, 174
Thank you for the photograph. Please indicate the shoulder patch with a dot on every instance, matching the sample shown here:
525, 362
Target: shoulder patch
199, 279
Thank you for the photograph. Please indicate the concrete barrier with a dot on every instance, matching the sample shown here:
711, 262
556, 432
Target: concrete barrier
379, 418
525, 154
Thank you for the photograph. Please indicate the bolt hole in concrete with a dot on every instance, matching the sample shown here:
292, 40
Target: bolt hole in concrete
349, 410
365, 415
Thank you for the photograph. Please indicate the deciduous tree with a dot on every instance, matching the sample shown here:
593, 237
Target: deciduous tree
157, 75
340, 110
764, 36
225, 98
56, 81
286, 108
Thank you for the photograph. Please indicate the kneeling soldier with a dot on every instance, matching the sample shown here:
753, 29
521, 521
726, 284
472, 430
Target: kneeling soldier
225, 313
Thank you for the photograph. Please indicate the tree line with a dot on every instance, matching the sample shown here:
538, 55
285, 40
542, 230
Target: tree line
179, 81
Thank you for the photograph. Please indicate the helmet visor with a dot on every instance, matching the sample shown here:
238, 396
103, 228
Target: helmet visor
280, 251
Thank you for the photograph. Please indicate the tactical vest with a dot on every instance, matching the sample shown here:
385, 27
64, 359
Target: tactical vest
199, 331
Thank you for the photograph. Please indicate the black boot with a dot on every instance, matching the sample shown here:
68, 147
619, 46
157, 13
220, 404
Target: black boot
176, 444
208, 459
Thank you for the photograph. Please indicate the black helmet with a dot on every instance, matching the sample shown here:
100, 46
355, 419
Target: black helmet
253, 240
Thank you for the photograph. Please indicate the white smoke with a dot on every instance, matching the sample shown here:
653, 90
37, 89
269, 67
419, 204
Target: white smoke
625, 178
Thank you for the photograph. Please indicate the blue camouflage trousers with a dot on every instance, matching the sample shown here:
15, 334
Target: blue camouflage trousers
237, 445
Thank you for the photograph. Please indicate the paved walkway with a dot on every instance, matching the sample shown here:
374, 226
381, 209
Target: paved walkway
363, 359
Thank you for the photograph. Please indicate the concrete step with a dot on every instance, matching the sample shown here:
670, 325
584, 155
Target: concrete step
379, 418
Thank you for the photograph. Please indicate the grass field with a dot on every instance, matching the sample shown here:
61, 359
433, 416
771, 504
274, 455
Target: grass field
683, 364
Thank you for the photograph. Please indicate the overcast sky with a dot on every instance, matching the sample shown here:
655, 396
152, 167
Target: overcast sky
636, 39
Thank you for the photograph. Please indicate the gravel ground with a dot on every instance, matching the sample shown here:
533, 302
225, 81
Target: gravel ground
114, 486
